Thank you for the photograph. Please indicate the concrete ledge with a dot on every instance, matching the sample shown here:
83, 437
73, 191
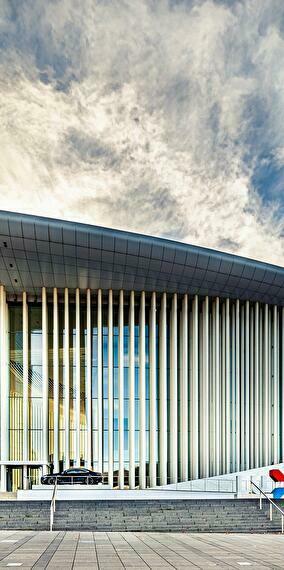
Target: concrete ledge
88, 493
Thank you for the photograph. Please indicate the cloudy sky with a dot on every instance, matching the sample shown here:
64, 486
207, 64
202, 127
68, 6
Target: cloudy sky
162, 117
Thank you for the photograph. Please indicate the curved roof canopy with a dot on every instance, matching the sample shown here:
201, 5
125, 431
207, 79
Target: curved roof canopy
37, 252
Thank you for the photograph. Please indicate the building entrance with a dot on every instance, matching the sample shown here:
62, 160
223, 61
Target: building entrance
14, 478
22, 478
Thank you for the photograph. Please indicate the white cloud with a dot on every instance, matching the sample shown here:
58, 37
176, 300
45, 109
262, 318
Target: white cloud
145, 116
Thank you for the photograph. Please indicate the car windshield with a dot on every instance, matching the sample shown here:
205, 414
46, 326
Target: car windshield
75, 471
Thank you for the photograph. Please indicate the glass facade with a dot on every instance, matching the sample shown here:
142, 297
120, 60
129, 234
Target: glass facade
16, 383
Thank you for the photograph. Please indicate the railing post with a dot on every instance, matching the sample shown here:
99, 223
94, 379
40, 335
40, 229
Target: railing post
282, 524
250, 485
52, 506
260, 501
55, 489
237, 485
270, 511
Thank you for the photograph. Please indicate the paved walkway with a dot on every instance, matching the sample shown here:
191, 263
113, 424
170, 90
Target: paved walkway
111, 551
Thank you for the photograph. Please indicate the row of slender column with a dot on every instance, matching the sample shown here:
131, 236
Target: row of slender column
217, 376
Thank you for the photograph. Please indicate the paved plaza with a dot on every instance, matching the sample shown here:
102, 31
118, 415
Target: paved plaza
111, 551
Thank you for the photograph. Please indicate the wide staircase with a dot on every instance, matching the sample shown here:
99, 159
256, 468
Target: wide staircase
216, 515
242, 515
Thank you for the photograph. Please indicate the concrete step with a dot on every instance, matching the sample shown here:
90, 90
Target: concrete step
241, 515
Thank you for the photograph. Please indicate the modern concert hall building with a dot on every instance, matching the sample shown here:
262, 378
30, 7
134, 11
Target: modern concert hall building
148, 360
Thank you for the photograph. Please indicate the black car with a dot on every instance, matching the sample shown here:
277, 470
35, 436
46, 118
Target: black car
73, 476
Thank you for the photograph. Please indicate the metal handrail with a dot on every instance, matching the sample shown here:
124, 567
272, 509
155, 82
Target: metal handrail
198, 489
272, 504
52, 505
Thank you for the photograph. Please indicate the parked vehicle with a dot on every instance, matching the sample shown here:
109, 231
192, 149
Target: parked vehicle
73, 476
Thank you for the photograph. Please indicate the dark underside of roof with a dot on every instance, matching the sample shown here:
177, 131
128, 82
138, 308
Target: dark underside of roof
41, 252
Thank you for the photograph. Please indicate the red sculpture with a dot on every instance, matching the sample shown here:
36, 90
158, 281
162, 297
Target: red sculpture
276, 475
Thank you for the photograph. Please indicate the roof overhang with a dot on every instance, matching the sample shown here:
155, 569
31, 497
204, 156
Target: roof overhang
40, 252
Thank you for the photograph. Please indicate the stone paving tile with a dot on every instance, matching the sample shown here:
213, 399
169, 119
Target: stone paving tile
139, 550
235, 555
190, 557
151, 558
127, 554
106, 554
86, 556
162, 546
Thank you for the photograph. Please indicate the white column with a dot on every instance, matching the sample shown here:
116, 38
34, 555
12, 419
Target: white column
252, 389
78, 383
228, 389
279, 410
100, 384
184, 391
247, 388
25, 476
89, 382
194, 416
266, 430
275, 388
233, 387
212, 389
66, 380
256, 386
211, 395
45, 435
217, 386
260, 409
163, 390
238, 415
132, 391
25, 379
269, 385
180, 366
223, 388
204, 396
153, 395
4, 352
200, 383
121, 390
173, 393
242, 434
56, 380
110, 388
282, 394
142, 394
